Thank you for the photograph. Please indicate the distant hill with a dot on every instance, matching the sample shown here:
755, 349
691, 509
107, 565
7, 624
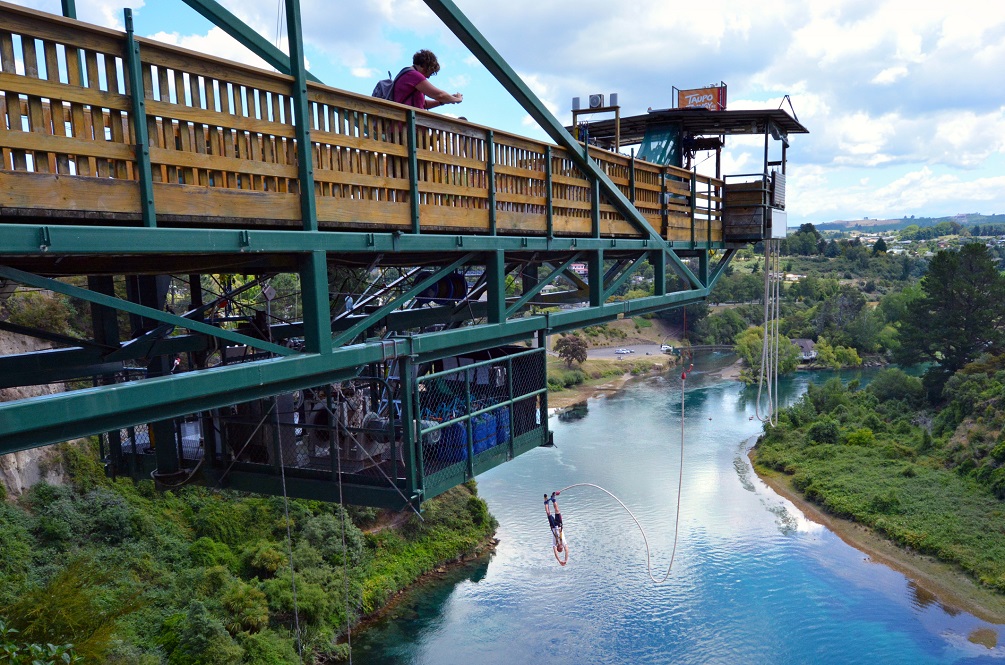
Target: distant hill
872, 225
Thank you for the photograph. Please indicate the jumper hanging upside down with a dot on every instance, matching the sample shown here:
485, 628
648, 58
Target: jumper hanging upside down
559, 546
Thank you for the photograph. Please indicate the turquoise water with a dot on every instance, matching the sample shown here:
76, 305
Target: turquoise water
753, 580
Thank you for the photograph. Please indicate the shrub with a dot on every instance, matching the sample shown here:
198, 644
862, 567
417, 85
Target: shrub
41, 309
823, 431
14, 651
196, 637
207, 552
248, 608
861, 437
324, 532
895, 384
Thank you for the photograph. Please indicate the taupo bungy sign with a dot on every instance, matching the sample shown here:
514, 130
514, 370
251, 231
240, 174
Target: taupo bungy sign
713, 99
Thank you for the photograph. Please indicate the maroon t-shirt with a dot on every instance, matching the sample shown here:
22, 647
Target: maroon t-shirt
405, 91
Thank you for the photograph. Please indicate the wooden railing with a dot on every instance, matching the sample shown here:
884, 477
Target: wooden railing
223, 152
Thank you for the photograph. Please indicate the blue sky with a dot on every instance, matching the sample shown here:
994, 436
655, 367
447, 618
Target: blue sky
903, 98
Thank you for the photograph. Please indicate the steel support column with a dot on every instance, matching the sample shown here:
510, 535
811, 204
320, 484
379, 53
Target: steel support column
495, 275
302, 117
138, 118
316, 301
595, 277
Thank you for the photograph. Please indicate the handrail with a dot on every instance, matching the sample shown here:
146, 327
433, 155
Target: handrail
225, 132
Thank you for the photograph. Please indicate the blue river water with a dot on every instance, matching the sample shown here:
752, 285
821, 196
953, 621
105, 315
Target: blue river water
753, 580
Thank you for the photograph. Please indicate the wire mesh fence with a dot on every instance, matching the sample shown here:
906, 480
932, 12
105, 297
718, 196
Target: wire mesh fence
462, 416
351, 428
471, 409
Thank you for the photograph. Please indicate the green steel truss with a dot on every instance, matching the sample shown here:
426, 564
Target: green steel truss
332, 346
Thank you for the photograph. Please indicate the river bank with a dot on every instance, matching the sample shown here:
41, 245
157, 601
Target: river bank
935, 580
566, 399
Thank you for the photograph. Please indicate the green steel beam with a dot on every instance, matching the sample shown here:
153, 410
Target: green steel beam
149, 312
39, 421
355, 329
138, 119
54, 365
609, 289
236, 28
490, 176
69, 8
23, 240
413, 173
537, 288
495, 274
316, 302
303, 119
595, 277
316, 489
719, 267
658, 260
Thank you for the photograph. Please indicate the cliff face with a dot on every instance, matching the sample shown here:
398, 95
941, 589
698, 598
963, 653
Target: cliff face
19, 471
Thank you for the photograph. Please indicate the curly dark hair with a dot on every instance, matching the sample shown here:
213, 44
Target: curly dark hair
427, 60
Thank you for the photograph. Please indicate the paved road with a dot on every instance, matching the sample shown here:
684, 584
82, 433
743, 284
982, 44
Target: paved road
639, 349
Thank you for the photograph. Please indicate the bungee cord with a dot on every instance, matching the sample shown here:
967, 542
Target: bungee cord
767, 380
680, 483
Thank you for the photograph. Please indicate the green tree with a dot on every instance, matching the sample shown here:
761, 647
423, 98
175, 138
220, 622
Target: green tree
571, 348
750, 346
880, 246
958, 317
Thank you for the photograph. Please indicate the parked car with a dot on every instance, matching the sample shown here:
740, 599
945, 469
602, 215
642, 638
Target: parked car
621, 351
666, 348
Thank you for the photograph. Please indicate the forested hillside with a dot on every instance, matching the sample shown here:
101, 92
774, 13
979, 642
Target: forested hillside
920, 460
131, 575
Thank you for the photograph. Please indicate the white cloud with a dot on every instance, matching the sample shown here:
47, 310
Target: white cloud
890, 75
216, 42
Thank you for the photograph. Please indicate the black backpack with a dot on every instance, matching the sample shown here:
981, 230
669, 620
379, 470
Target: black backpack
385, 89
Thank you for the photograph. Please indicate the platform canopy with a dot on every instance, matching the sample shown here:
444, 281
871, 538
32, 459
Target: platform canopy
696, 123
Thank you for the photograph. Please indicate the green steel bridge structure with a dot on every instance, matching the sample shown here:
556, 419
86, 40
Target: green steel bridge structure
431, 258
